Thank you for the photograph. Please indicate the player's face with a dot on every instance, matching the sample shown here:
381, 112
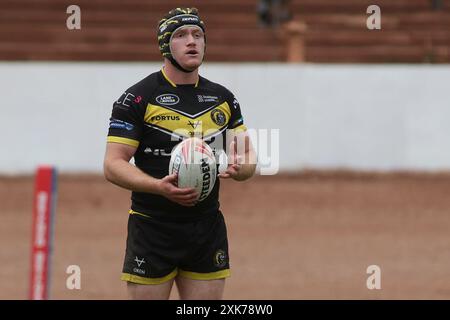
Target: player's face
188, 47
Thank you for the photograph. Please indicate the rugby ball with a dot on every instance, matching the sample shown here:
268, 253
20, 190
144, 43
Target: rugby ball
195, 165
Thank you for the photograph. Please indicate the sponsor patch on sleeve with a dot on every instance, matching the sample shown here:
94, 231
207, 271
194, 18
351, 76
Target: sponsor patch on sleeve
119, 124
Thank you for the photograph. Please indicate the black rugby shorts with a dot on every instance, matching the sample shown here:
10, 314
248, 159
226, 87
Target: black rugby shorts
159, 250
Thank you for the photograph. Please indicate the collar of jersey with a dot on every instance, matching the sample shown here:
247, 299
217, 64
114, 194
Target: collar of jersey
173, 83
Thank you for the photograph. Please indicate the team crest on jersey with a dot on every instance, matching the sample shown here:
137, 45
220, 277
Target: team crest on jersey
168, 99
220, 259
218, 116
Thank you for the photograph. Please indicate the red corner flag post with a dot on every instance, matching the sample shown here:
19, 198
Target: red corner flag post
42, 237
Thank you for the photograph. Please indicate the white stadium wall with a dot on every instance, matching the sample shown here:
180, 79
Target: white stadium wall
364, 117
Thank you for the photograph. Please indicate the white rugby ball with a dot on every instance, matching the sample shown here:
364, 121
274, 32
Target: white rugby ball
195, 164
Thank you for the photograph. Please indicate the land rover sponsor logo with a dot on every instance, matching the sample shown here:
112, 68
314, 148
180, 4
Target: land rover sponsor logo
168, 99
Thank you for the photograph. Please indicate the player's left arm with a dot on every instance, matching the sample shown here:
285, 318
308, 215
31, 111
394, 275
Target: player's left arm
242, 158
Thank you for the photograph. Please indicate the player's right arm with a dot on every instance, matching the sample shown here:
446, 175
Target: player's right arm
125, 131
119, 171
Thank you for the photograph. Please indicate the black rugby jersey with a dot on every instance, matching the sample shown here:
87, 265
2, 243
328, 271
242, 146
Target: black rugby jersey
155, 114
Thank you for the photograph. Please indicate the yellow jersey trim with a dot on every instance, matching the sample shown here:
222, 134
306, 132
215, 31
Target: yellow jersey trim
173, 83
240, 128
181, 124
138, 213
167, 78
205, 276
130, 142
143, 280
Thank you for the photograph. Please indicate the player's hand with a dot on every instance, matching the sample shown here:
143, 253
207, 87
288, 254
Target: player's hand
169, 189
234, 163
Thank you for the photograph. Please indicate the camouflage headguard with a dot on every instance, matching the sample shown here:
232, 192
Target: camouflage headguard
174, 20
